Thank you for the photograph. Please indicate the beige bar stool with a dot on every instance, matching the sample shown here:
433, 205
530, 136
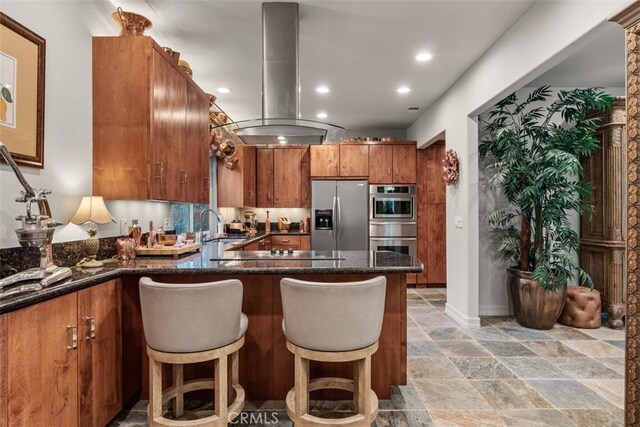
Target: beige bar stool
190, 323
333, 322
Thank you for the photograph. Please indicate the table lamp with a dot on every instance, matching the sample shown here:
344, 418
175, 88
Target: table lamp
92, 210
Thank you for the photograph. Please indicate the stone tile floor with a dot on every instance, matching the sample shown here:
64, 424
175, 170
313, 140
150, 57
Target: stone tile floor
499, 375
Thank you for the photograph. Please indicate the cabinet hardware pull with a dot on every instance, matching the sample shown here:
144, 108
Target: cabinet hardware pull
277, 197
305, 195
206, 182
160, 175
183, 180
397, 171
285, 241
74, 337
388, 171
268, 196
92, 328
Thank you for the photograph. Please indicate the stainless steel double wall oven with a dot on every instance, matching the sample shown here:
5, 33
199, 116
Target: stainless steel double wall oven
392, 219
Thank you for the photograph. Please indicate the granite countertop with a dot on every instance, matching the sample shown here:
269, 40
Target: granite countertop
354, 262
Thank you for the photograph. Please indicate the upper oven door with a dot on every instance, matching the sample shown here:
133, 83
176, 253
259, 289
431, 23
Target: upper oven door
392, 206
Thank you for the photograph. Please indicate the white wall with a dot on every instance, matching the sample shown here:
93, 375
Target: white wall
399, 134
67, 27
545, 35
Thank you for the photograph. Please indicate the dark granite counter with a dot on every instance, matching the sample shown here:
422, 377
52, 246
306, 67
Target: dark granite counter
360, 262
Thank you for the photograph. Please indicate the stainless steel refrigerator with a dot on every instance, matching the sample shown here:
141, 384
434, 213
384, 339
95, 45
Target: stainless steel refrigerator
340, 215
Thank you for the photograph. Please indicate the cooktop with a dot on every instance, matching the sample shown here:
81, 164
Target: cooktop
278, 255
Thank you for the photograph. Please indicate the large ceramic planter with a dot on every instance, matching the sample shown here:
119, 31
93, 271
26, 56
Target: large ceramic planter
534, 306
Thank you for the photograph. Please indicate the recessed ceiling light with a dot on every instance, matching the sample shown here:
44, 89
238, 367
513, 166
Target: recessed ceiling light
321, 115
322, 89
282, 141
282, 138
403, 89
224, 90
423, 56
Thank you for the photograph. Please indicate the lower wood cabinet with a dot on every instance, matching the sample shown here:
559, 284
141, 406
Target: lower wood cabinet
298, 243
62, 360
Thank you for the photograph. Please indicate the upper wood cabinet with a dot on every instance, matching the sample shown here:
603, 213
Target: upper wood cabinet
354, 160
150, 124
325, 160
392, 164
291, 180
264, 175
237, 186
381, 164
63, 359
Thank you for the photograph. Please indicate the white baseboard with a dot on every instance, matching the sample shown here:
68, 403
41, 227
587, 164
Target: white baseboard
462, 320
495, 310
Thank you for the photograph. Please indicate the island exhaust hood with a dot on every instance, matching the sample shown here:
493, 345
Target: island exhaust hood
281, 87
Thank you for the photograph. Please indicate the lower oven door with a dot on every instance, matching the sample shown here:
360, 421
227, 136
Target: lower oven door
403, 245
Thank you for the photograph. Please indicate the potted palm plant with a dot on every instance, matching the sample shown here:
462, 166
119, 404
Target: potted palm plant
533, 149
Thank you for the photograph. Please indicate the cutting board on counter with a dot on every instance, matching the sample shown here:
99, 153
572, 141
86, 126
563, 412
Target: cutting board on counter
168, 250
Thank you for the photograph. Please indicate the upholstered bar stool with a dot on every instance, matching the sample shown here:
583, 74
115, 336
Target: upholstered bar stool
333, 322
191, 323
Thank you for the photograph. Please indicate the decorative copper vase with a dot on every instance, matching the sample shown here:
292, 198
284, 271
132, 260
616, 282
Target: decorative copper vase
131, 24
534, 306
126, 249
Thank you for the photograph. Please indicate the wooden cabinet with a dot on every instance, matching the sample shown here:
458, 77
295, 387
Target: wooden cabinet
381, 164
404, 164
100, 354
432, 248
325, 161
150, 124
264, 175
56, 373
263, 244
392, 164
237, 186
354, 160
283, 177
291, 241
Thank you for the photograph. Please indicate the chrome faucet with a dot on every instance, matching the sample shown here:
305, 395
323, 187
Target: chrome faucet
219, 220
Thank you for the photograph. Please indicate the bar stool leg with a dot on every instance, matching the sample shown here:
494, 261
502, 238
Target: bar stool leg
178, 382
362, 386
234, 376
301, 388
220, 402
155, 392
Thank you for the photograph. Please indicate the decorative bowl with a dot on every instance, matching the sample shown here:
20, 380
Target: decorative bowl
169, 239
184, 65
131, 24
175, 56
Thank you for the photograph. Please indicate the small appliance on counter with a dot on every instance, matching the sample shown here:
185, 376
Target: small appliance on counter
235, 227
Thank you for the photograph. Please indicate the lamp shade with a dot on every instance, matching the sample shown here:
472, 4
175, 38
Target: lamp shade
92, 209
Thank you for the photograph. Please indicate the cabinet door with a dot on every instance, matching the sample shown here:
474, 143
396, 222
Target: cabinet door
197, 147
287, 177
237, 186
43, 364
264, 177
436, 262
305, 243
380, 164
404, 164
100, 354
305, 177
325, 161
249, 177
354, 160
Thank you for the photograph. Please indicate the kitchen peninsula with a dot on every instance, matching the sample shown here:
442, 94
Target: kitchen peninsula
266, 366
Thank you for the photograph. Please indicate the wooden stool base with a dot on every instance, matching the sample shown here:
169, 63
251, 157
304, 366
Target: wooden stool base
221, 384
364, 399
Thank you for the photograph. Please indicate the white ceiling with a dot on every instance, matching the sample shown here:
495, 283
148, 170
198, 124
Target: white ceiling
598, 62
363, 50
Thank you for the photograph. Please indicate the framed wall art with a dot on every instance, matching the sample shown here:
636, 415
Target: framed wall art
22, 56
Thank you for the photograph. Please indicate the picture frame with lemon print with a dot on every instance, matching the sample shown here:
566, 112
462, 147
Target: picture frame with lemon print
22, 75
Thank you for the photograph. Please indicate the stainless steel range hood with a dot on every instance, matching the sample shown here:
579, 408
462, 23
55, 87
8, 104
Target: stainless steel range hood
281, 86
